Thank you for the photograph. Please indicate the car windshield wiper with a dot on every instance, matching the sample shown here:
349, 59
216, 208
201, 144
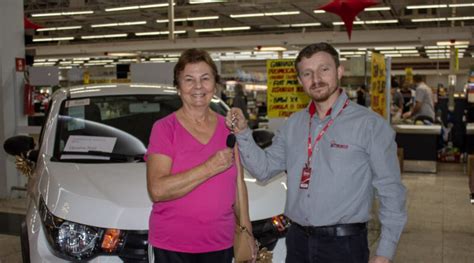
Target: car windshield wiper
113, 156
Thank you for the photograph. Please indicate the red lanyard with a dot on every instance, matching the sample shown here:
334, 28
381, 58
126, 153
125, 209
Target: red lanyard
321, 133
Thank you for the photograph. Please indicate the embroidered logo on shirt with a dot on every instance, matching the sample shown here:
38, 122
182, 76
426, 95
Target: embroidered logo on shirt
340, 146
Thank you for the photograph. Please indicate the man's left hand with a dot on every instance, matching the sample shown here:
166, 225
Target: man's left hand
379, 259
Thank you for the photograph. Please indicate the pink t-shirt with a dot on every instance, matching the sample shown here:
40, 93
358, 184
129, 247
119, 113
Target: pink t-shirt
202, 220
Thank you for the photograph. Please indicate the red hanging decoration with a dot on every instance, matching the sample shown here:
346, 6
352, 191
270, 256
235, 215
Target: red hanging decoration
30, 25
348, 10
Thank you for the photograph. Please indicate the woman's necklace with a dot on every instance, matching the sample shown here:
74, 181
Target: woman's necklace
198, 122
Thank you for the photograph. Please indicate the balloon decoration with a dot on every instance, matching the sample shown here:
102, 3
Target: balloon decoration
30, 25
348, 10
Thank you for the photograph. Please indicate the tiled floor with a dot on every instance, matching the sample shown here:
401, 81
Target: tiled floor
440, 225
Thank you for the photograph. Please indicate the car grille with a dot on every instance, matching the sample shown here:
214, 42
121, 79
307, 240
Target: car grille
135, 247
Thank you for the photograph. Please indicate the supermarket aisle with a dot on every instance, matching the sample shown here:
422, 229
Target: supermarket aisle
440, 225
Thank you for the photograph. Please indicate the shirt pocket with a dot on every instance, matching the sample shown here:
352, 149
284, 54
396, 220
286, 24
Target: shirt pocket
345, 158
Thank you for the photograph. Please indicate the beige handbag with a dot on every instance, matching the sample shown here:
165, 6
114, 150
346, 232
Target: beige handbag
244, 243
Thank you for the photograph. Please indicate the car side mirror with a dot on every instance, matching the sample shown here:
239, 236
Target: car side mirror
19, 145
262, 137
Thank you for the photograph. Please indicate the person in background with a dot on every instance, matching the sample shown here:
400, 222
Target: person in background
191, 173
361, 95
424, 102
336, 155
397, 101
407, 97
240, 100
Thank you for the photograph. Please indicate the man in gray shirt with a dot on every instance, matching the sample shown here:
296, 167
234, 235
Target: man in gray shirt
424, 102
337, 154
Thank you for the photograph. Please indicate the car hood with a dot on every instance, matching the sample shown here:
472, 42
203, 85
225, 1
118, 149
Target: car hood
114, 195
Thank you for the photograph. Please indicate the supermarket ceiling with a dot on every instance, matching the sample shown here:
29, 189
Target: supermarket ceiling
101, 27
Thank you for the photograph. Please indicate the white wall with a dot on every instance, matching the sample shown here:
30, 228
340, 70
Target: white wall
11, 87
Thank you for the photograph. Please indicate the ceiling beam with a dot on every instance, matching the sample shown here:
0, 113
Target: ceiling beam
368, 39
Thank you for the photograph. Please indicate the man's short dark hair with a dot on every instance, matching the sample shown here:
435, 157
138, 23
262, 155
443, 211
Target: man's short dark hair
312, 49
417, 78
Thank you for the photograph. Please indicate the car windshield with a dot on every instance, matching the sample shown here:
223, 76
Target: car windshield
111, 128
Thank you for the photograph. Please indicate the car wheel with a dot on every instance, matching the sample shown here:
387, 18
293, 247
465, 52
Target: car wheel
25, 246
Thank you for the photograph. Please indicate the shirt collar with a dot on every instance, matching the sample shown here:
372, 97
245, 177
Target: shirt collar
333, 111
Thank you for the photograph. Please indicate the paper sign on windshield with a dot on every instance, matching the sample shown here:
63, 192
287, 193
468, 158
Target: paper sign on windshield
80, 143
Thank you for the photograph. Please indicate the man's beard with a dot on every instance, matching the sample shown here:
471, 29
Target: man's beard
326, 93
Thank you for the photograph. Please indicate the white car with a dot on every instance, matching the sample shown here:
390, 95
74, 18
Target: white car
87, 195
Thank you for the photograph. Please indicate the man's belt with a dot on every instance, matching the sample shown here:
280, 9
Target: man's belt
339, 230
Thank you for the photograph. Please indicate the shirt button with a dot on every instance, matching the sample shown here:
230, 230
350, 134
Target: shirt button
308, 195
247, 156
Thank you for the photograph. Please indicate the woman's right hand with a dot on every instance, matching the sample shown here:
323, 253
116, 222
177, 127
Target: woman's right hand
220, 161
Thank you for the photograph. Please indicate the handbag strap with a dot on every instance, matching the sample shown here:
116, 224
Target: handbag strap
240, 194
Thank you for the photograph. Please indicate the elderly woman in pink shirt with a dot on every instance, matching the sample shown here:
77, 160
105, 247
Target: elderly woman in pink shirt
191, 173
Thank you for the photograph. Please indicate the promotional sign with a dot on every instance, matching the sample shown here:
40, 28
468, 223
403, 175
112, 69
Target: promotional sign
408, 75
377, 84
284, 94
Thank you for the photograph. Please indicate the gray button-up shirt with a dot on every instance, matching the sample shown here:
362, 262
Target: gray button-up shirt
356, 156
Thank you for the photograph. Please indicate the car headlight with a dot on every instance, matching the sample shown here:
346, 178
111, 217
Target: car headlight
77, 240
268, 231
74, 241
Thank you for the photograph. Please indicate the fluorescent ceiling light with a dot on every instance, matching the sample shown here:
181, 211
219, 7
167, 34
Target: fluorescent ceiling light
306, 24
389, 21
426, 6
382, 8
195, 2
101, 61
287, 13
87, 12
44, 64
136, 7
123, 8
156, 33
121, 54
246, 15
393, 55
460, 18
270, 49
58, 28
104, 36
52, 39
369, 22
449, 43
319, 11
202, 18
219, 29
461, 5
120, 24
408, 51
188, 19
435, 19
127, 60
235, 28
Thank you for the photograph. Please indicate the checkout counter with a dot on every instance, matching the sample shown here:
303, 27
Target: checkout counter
419, 143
